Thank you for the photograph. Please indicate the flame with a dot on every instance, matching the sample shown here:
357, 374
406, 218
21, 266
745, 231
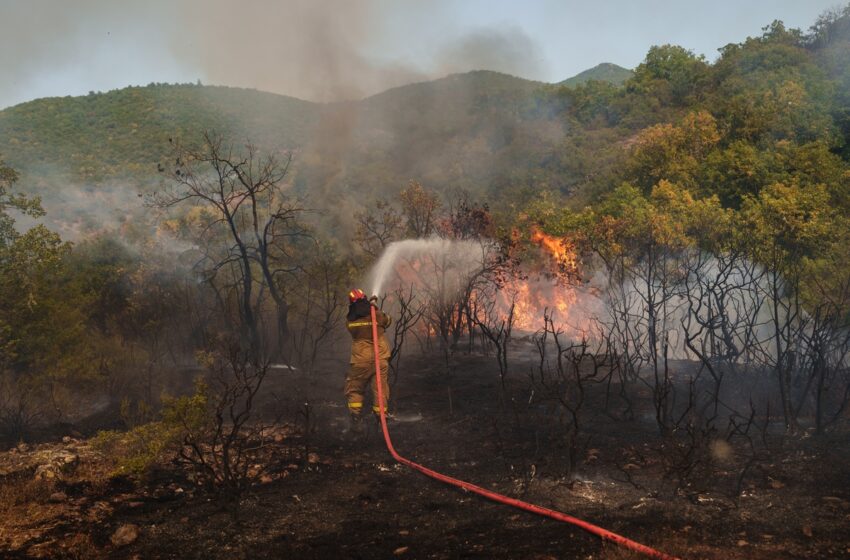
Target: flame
532, 298
558, 248
546, 286
551, 290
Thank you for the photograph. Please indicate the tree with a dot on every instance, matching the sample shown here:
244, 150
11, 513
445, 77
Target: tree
377, 227
787, 226
671, 73
673, 152
249, 226
420, 210
43, 343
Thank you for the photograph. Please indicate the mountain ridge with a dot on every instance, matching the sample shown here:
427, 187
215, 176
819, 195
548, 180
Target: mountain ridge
604, 72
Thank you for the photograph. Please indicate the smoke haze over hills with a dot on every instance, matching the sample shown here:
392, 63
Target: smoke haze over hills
322, 50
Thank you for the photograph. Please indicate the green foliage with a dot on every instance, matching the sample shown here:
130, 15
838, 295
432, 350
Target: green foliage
605, 73
151, 443
671, 73
123, 134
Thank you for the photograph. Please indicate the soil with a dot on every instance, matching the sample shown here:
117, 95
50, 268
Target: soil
330, 495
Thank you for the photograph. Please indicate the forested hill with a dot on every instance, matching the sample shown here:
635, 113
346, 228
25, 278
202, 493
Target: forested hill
124, 133
772, 108
605, 72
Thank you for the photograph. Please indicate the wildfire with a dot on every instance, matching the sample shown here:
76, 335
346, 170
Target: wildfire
531, 298
544, 286
549, 290
559, 249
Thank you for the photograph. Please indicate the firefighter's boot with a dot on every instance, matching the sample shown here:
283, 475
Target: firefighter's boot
376, 412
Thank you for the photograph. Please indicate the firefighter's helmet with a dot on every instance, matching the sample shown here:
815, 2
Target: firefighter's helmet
355, 295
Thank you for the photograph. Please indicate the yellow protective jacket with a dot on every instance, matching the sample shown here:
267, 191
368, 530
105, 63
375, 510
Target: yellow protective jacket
361, 333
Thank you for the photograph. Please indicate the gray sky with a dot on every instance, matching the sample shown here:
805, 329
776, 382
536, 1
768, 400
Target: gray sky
332, 49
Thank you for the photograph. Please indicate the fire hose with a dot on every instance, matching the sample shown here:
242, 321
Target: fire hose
557, 515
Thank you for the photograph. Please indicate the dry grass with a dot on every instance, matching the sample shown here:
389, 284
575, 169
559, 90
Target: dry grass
20, 491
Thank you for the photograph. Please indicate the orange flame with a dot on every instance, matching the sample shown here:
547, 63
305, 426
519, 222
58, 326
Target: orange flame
547, 285
550, 290
559, 249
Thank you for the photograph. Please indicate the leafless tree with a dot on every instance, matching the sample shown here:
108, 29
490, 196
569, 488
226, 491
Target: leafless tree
722, 310
250, 229
318, 306
377, 227
408, 313
495, 324
824, 362
565, 370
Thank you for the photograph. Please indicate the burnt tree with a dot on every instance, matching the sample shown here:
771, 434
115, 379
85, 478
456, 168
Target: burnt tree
248, 227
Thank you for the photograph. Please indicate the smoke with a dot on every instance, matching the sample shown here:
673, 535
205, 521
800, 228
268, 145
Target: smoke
312, 49
509, 50
77, 212
320, 50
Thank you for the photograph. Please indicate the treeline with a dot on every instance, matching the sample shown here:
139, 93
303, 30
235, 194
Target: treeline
723, 229
777, 106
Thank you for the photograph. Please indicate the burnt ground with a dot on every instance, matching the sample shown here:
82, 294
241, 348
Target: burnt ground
327, 496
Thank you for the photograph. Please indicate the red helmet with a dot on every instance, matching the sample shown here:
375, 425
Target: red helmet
355, 295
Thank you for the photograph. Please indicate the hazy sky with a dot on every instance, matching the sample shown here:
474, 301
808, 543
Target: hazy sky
326, 49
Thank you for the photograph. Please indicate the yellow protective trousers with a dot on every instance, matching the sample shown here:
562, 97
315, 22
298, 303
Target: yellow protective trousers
361, 373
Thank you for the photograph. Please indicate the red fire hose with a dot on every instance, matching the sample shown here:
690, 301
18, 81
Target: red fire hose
557, 515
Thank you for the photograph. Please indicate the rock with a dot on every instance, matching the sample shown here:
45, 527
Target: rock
401, 550
57, 497
66, 439
312, 458
742, 542
67, 458
46, 472
125, 534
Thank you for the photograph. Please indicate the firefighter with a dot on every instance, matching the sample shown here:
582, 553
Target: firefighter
362, 368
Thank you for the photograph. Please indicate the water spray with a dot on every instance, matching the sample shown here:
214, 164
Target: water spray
452, 260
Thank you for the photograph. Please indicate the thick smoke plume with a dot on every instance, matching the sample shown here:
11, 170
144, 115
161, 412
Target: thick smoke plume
312, 49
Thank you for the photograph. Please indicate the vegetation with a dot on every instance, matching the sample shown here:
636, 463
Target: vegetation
605, 72
712, 196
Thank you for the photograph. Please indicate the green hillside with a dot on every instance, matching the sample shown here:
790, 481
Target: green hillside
462, 130
124, 133
779, 103
605, 72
